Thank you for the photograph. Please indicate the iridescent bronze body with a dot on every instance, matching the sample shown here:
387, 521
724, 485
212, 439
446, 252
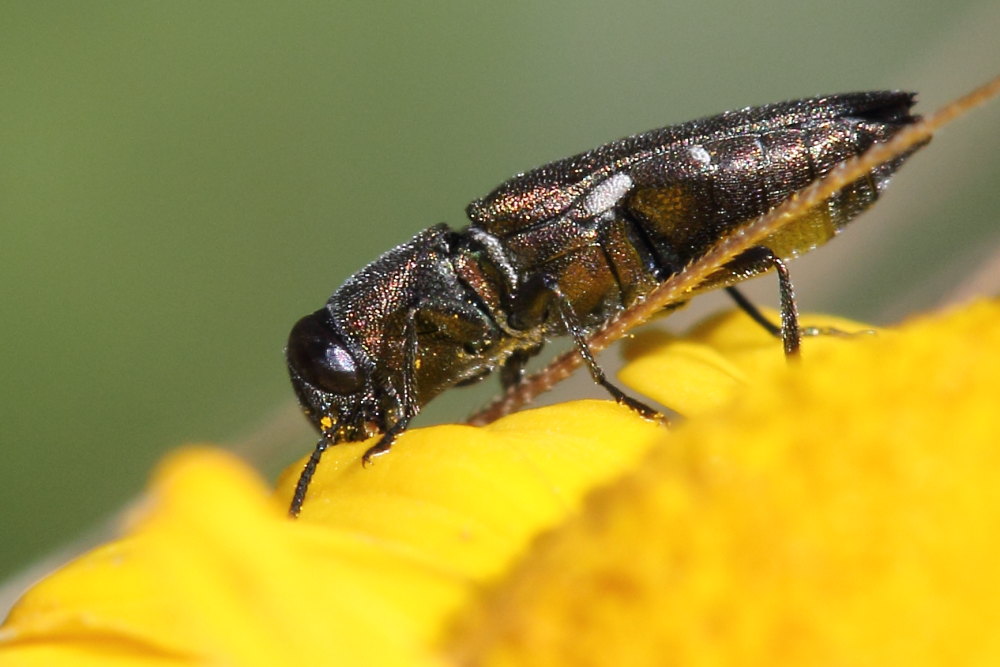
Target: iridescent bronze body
561, 249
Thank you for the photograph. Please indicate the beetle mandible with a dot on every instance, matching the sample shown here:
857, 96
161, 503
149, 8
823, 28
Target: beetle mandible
563, 248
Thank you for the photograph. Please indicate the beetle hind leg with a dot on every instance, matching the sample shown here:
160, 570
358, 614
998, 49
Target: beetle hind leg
761, 258
756, 260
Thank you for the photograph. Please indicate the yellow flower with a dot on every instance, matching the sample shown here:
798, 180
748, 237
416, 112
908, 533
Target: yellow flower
841, 510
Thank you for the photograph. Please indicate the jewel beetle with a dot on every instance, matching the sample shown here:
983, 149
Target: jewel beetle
563, 248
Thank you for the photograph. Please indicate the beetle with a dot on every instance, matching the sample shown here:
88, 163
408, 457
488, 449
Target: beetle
562, 249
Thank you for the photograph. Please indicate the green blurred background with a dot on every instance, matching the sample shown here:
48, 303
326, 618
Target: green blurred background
180, 181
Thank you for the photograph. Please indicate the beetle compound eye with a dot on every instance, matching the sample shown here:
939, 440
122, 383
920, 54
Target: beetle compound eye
321, 358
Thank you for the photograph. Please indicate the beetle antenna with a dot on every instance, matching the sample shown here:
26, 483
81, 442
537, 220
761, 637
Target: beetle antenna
306, 476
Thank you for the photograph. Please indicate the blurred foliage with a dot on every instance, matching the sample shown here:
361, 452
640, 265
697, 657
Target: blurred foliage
180, 181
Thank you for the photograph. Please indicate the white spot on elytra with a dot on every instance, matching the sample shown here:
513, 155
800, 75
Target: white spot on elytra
700, 155
606, 194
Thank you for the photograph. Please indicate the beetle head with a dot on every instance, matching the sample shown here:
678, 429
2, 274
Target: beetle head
333, 380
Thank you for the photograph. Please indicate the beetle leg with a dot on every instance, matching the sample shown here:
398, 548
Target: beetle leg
750, 309
572, 324
533, 303
409, 406
789, 331
512, 370
384, 443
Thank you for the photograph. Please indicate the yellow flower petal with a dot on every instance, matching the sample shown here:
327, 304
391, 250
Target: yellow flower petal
718, 359
839, 510
845, 511
215, 573
381, 557
468, 499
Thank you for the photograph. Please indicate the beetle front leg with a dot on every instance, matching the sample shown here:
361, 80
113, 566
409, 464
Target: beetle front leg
408, 401
384, 443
